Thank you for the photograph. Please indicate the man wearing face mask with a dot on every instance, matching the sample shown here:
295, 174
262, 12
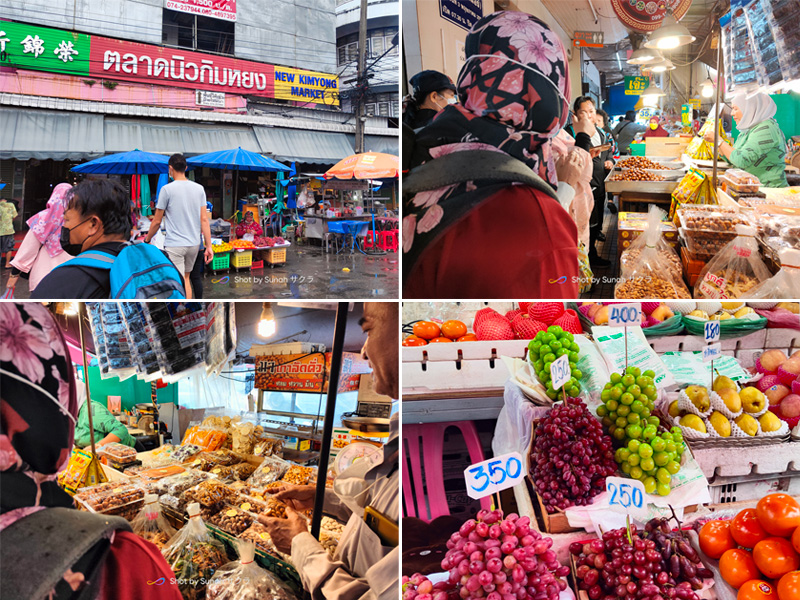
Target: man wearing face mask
367, 560
431, 93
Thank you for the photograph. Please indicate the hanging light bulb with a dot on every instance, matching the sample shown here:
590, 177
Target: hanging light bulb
670, 35
661, 67
707, 88
267, 326
644, 56
653, 90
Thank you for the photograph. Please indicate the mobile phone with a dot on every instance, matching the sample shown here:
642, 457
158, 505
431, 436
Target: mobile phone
383, 526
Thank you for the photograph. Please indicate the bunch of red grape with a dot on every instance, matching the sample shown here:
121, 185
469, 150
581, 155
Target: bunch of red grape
503, 559
636, 568
571, 456
419, 587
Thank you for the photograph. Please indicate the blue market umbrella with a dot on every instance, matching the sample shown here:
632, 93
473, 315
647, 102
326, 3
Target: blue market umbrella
238, 160
135, 162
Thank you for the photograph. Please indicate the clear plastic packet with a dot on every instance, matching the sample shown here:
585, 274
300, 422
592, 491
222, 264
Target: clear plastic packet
245, 580
650, 276
185, 451
269, 471
179, 334
736, 270
194, 556
174, 485
140, 340
632, 253
259, 535
120, 361
151, 525
217, 349
786, 282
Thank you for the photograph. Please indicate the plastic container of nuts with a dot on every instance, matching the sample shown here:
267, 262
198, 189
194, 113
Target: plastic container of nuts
703, 244
709, 222
739, 181
119, 453
124, 500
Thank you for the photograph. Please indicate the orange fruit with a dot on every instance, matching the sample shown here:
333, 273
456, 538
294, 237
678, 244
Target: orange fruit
453, 329
715, 538
779, 514
796, 540
775, 557
737, 567
427, 330
440, 340
746, 528
470, 337
413, 340
789, 586
755, 589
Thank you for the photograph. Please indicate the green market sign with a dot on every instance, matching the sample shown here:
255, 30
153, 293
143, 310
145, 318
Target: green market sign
634, 86
24, 46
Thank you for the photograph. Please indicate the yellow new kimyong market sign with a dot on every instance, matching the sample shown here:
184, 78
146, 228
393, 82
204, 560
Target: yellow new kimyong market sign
306, 86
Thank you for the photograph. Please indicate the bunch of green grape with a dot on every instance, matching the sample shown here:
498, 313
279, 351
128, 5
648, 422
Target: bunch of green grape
545, 348
646, 454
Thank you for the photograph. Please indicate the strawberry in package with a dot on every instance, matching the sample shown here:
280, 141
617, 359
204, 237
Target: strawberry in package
150, 524
194, 555
245, 580
735, 271
651, 274
786, 282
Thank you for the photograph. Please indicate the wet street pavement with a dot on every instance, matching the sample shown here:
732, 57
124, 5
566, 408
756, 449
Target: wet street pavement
309, 273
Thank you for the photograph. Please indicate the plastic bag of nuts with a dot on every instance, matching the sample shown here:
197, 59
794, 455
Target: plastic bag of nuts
212, 492
269, 471
735, 271
258, 534
650, 276
232, 520
151, 525
299, 475
243, 471
245, 580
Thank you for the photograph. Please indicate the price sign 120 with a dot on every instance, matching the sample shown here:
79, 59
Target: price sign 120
493, 475
624, 315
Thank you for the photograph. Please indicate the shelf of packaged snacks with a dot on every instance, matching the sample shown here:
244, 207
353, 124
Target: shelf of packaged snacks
316, 437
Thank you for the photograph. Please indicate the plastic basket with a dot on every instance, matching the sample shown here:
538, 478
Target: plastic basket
221, 261
242, 260
276, 256
257, 264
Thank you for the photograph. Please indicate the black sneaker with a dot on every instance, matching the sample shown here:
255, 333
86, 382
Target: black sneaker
598, 261
612, 208
601, 237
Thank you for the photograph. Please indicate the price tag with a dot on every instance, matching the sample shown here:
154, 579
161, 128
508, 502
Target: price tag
231, 513
246, 506
712, 352
711, 331
560, 372
625, 315
493, 475
627, 495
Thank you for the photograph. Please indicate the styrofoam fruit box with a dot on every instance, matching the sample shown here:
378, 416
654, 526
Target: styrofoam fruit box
466, 351
686, 405
718, 404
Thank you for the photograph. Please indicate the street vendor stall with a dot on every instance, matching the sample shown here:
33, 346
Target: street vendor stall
200, 497
567, 428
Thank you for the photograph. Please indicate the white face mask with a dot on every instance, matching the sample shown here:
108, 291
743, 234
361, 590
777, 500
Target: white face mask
453, 100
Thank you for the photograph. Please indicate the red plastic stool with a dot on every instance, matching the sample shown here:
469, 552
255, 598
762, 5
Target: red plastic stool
428, 500
368, 239
389, 240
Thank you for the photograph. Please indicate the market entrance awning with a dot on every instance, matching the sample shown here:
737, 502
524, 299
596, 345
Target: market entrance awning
45, 134
303, 146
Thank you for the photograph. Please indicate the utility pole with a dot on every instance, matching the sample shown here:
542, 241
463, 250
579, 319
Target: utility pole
361, 78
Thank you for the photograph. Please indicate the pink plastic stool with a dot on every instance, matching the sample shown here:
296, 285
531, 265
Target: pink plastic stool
431, 435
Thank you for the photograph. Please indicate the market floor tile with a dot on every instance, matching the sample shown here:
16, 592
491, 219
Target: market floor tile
309, 273
605, 278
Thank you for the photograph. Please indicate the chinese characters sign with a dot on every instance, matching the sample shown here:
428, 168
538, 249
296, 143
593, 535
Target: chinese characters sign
464, 13
646, 15
634, 86
219, 9
305, 373
52, 50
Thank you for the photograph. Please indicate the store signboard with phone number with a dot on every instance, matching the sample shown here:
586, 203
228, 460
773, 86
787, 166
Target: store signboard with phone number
634, 86
307, 372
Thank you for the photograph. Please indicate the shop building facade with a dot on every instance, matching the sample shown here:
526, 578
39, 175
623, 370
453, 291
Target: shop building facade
78, 82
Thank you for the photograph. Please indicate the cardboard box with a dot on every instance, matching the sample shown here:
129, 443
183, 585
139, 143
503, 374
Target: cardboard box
630, 226
666, 146
692, 266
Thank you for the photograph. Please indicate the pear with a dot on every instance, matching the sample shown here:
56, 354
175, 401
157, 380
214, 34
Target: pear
699, 397
700, 314
739, 314
731, 399
720, 424
790, 306
694, 422
748, 424
722, 382
769, 422
674, 411
753, 400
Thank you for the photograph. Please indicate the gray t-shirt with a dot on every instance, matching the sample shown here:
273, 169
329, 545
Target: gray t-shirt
625, 131
182, 203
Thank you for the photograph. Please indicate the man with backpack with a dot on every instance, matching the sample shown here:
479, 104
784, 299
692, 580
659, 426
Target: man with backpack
96, 229
182, 207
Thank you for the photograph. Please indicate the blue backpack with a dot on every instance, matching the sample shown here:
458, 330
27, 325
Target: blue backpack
138, 272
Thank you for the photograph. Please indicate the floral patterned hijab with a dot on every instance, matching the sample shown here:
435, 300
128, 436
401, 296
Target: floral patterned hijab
46, 224
38, 409
513, 91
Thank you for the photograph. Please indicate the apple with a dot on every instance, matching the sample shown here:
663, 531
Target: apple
662, 313
771, 360
593, 308
601, 316
776, 394
790, 406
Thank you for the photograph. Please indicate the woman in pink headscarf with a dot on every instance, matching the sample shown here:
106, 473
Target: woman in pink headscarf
48, 548
41, 251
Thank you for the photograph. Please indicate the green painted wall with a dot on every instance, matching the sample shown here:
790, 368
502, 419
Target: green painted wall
133, 390
788, 115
